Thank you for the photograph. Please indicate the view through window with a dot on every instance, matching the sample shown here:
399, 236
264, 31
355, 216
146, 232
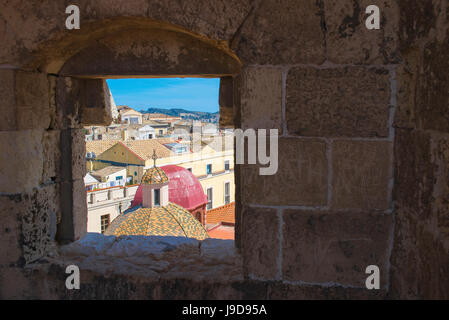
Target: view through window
163, 166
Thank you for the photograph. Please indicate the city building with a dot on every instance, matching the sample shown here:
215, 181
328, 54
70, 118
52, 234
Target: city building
131, 116
157, 216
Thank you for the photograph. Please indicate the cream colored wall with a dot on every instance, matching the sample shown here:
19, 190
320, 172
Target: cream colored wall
218, 185
107, 201
94, 217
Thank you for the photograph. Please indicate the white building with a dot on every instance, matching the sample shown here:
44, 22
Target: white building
146, 132
110, 176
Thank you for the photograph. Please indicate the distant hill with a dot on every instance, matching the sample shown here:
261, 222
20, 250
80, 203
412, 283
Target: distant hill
186, 114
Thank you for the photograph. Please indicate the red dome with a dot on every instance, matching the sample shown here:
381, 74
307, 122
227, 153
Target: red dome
184, 189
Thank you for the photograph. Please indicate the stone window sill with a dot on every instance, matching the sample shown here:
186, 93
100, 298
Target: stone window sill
154, 257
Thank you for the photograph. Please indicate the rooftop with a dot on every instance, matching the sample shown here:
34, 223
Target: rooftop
106, 171
224, 214
171, 220
99, 146
144, 148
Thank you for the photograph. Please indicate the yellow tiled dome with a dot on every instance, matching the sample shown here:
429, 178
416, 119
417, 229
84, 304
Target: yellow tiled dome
154, 175
171, 220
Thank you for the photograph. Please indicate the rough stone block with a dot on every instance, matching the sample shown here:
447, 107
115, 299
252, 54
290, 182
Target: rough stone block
334, 247
301, 178
96, 108
26, 102
287, 291
349, 41
78, 154
7, 97
10, 230
73, 222
146, 54
24, 148
39, 220
432, 96
261, 101
421, 171
346, 102
52, 156
226, 102
361, 172
283, 32
69, 99
29, 225
419, 260
260, 243
32, 100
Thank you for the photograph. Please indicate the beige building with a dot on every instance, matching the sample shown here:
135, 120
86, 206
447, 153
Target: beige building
213, 165
131, 116
104, 205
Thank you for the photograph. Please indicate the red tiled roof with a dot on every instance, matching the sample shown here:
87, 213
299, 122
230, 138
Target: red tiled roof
224, 214
222, 232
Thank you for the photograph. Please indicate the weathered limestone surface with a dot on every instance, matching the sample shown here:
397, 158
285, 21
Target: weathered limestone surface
24, 147
260, 254
26, 100
28, 225
350, 42
420, 254
346, 102
420, 259
283, 32
334, 247
361, 174
261, 98
226, 102
300, 160
145, 54
337, 91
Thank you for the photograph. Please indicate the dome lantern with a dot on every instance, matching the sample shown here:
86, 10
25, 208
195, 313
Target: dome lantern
154, 186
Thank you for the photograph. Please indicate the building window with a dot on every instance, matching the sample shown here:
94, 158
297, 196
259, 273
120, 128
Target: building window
209, 198
157, 197
209, 169
105, 220
227, 165
227, 193
161, 132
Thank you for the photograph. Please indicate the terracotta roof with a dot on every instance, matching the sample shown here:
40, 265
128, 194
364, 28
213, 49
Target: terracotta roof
99, 146
144, 148
171, 220
154, 175
222, 232
224, 214
106, 171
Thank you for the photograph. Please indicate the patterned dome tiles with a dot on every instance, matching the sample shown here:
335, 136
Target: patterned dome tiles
154, 175
172, 220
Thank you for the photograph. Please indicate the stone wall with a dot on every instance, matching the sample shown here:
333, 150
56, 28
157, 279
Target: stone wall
363, 149
420, 260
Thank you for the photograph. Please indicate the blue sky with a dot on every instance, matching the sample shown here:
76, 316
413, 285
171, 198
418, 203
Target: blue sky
193, 94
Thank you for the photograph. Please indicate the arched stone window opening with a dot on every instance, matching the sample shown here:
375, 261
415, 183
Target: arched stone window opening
79, 95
